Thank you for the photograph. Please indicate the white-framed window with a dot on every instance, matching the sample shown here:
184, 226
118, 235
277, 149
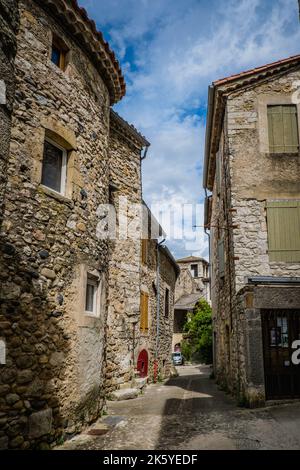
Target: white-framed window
194, 270
92, 295
54, 167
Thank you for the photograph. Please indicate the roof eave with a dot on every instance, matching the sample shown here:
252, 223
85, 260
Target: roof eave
209, 120
129, 130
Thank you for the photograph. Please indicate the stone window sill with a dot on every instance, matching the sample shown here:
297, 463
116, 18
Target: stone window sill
88, 321
55, 195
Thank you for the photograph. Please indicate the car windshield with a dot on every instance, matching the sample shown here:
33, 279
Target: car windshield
177, 354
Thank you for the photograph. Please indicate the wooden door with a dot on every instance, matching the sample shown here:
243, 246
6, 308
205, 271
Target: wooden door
280, 329
142, 363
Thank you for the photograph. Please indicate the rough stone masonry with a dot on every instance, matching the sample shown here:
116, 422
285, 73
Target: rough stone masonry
52, 382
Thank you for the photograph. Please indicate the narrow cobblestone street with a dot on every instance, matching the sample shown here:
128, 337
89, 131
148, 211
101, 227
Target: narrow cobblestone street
189, 412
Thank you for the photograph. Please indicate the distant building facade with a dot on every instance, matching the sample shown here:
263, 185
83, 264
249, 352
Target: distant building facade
252, 168
192, 284
142, 276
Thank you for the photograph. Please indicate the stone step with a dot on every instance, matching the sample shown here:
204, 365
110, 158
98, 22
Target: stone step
124, 394
140, 382
125, 385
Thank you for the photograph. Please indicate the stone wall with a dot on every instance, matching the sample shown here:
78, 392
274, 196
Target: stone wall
226, 324
52, 382
128, 277
124, 265
9, 23
187, 284
158, 340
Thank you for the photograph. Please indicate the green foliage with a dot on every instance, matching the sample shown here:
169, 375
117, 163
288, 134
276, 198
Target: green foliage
197, 342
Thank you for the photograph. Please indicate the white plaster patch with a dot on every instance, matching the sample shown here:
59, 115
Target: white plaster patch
2, 351
2, 92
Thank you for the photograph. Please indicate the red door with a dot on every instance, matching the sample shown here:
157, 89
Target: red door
142, 363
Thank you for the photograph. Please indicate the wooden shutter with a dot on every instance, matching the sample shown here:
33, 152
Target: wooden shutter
283, 220
283, 129
144, 311
221, 258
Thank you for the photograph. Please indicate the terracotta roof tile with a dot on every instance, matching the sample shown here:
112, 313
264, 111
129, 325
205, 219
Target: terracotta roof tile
263, 68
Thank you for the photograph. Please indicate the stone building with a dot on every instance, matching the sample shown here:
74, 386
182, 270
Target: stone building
68, 294
252, 168
53, 271
135, 338
192, 284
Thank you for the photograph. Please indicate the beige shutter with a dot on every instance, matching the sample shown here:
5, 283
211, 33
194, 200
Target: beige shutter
283, 219
283, 129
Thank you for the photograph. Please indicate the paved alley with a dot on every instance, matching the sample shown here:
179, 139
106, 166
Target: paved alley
189, 412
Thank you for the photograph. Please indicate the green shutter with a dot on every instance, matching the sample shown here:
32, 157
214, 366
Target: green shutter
283, 219
283, 129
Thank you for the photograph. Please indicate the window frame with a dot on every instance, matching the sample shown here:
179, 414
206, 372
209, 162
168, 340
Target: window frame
278, 249
197, 270
96, 283
270, 121
64, 164
269, 99
59, 44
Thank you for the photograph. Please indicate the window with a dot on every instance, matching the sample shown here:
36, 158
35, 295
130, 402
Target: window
144, 312
59, 53
283, 129
283, 222
54, 167
167, 302
279, 335
91, 295
194, 270
144, 251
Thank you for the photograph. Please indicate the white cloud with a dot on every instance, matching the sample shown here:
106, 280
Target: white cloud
170, 51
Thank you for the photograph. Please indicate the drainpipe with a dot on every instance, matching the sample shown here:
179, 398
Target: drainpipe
145, 153
155, 367
142, 157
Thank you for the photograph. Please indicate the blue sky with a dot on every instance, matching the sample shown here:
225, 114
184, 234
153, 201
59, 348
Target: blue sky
170, 51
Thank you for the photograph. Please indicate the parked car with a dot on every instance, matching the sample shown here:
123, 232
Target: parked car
178, 359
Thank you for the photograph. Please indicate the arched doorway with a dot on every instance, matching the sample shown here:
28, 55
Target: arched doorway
142, 363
